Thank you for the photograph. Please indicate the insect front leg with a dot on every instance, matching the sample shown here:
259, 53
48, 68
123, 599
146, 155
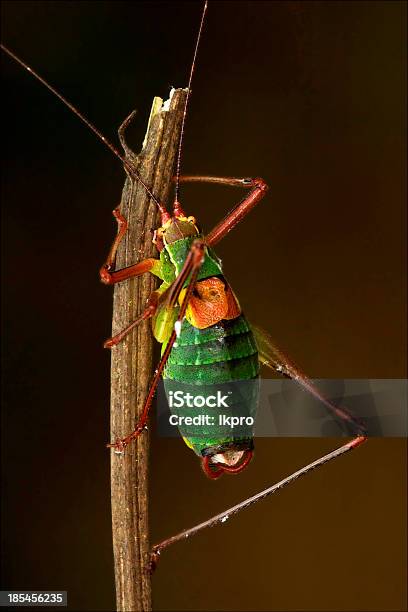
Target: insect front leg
110, 278
147, 265
258, 190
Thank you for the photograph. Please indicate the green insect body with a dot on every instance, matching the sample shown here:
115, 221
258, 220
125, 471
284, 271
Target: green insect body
204, 367
221, 358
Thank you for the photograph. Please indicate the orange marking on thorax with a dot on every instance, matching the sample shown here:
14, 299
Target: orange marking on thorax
212, 300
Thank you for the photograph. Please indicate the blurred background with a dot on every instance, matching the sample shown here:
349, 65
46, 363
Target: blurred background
308, 95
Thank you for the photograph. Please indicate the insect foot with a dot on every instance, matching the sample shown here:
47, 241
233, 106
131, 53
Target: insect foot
121, 443
154, 559
119, 446
105, 275
109, 343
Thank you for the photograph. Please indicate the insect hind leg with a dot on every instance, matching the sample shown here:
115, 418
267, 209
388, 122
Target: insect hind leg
224, 516
273, 357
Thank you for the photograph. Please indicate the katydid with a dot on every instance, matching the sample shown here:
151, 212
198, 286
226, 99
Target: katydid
196, 310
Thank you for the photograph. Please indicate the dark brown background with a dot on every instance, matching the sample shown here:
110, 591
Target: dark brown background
310, 97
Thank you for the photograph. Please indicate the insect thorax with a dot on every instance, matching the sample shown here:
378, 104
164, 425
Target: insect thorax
173, 256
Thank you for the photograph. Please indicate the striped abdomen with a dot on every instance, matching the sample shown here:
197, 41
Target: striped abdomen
221, 359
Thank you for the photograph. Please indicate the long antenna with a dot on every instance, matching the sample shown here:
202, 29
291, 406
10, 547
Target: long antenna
99, 134
178, 167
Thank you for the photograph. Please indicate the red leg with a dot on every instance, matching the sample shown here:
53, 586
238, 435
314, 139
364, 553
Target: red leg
191, 266
150, 311
275, 359
147, 265
271, 356
258, 189
224, 516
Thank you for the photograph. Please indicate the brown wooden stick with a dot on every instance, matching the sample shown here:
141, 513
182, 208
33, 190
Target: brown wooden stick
131, 367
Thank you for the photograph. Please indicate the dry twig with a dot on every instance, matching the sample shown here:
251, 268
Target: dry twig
131, 367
